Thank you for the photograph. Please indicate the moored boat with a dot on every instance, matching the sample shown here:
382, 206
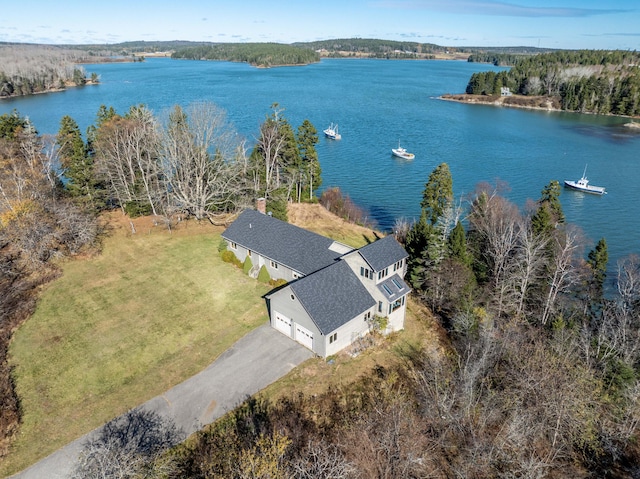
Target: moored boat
401, 152
332, 132
583, 185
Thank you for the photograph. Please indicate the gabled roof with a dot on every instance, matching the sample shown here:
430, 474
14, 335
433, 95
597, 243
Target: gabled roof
332, 296
301, 250
383, 253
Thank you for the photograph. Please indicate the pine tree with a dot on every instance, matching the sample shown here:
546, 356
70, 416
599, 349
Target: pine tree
458, 245
598, 259
81, 182
438, 193
307, 138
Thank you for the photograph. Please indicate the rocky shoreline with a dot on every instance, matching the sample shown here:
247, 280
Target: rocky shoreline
545, 103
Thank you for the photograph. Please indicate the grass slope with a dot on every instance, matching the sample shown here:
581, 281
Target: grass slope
118, 329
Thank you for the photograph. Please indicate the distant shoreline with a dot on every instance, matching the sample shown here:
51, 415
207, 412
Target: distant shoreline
543, 103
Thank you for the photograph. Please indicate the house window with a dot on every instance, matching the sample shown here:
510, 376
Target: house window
295, 275
397, 283
384, 273
367, 316
379, 306
396, 304
274, 265
333, 338
249, 253
387, 289
233, 245
293, 298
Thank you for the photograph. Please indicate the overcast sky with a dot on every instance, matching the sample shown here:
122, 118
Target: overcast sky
570, 24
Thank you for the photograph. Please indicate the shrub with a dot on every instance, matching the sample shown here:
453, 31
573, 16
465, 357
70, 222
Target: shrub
263, 275
338, 204
248, 264
276, 283
222, 246
137, 208
229, 257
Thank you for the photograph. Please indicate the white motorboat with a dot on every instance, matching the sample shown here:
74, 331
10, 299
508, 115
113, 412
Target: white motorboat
401, 152
332, 132
583, 185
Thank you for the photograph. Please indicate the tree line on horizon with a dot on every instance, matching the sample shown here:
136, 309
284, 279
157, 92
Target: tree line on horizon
588, 81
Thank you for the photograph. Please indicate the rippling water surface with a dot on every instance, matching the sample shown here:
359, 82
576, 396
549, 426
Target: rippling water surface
378, 103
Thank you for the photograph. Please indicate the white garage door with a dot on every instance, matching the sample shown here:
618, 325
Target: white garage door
283, 324
304, 336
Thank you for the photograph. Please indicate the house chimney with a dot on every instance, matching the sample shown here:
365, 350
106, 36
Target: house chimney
261, 205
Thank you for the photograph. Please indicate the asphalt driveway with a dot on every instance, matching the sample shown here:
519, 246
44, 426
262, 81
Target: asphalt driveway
255, 361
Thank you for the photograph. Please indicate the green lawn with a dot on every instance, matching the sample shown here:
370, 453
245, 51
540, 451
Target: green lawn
116, 330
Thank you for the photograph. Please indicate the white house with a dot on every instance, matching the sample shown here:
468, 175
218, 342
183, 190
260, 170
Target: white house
335, 294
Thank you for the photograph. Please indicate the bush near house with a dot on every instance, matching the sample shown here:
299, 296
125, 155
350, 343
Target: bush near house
248, 264
263, 275
229, 257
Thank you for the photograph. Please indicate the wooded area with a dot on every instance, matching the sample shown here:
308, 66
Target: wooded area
29, 69
588, 81
257, 54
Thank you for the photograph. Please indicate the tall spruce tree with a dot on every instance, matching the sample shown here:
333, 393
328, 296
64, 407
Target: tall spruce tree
438, 193
307, 138
598, 259
81, 183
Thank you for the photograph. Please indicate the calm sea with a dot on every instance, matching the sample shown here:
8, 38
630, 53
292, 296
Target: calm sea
378, 103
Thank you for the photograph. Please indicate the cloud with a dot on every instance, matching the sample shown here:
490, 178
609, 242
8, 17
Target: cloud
493, 8
611, 35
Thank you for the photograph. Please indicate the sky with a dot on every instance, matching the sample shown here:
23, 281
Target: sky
562, 24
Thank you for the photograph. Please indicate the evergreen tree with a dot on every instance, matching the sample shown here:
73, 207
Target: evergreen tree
598, 259
458, 245
438, 193
417, 246
81, 182
549, 213
307, 138
551, 196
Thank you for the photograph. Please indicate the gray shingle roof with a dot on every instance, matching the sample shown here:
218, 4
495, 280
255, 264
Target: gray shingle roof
383, 253
294, 247
332, 296
393, 288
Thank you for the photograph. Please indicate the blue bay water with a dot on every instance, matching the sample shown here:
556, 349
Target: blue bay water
376, 104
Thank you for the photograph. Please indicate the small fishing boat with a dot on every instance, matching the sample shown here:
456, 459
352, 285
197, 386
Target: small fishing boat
583, 185
332, 132
401, 152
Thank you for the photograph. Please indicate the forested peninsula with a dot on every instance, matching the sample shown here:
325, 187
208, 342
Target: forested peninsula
586, 81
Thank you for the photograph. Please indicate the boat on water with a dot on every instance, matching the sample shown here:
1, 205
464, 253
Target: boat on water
401, 152
583, 185
332, 132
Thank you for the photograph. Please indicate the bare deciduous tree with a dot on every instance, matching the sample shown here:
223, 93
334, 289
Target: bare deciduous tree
127, 446
201, 156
